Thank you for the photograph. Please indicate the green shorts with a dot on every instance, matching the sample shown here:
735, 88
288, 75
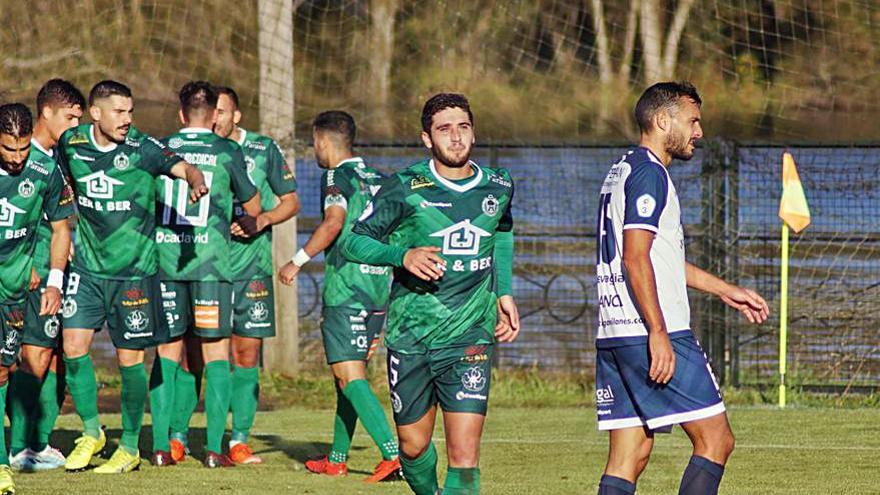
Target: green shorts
350, 334
12, 316
253, 313
206, 307
40, 331
456, 377
130, 308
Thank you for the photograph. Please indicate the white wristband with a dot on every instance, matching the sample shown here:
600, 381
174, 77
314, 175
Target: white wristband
300, 258
56, 278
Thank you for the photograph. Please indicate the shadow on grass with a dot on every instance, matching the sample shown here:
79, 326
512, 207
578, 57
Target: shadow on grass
300, 451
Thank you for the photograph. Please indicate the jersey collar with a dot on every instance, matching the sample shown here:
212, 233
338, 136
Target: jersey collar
102, 149
652, 156
243, 138
478, 176
36, 144
355, 160
194, 130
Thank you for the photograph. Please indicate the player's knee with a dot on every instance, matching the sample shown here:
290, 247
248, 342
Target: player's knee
413, 448
463, 458
246, 358
727, 444
4, 375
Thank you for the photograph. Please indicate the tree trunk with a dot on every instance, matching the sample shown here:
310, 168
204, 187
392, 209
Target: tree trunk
652, 48
673, 37
382, 14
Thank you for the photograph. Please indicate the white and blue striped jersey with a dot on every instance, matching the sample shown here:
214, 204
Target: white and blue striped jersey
638, 194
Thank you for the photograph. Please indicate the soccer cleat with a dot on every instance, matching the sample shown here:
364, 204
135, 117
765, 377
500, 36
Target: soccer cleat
86, 447
324, 466
241, 453
46, 459
178, 450
7, 485
120, 462
386, 471
162, 458
22, 460
215, 460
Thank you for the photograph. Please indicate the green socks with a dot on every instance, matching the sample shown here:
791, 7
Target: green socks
218, 392
4, 454
421, 473
246, 390
462, 481
371, 414
84, 391
134, 400
343, 428
24, 393
186, 397
162, 385
51, 399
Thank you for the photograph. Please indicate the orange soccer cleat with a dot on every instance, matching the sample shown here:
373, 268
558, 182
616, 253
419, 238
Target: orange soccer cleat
241, 453
386, 471
324, 466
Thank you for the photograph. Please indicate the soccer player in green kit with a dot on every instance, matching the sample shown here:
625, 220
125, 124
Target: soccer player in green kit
195, 266
35, 397
113, 279
252, 287
354, 299
29, 191
445, 225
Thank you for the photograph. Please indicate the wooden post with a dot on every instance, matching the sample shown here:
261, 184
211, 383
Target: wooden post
275, 20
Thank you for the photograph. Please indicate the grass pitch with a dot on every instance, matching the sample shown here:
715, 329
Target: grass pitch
553, 450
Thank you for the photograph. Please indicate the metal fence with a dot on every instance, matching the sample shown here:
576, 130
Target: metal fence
729, 196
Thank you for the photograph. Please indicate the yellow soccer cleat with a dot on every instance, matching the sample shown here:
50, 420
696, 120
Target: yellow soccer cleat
86, 447
120, 462
7, 486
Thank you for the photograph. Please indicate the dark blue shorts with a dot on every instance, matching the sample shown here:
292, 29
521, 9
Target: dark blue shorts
626, 397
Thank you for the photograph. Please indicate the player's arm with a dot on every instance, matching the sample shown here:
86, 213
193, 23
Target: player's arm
323, 236
288, 206
368, 242
746, 301
507, 327
193, 176
283, 184
58, 207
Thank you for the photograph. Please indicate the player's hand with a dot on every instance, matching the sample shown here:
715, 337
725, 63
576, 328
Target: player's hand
262, 222
197, 189
507, 328
662, 357
35, 280
287, 273
425, 263
747, 302
50, 302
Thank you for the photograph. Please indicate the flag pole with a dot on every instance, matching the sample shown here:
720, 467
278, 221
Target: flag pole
783, 316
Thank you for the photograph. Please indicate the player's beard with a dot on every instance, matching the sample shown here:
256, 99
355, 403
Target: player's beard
13, 168
677, 146
451, 161
224, 131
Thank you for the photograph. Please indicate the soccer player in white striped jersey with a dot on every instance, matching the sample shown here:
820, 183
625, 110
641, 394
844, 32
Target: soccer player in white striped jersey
650, 370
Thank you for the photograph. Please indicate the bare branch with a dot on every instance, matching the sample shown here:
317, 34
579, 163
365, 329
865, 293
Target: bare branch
602, 46
673, 37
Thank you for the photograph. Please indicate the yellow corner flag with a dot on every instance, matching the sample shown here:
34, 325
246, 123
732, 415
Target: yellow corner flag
793, 207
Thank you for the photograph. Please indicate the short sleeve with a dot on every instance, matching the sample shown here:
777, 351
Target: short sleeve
58, 203
278, 173
242, 187
383, 214
158, 159
645, 190
336, 189
505, 224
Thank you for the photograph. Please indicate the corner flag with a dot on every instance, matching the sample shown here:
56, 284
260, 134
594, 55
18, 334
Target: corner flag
793, 207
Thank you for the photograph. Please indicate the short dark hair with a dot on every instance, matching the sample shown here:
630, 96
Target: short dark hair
660, 96
16, 120
337, 122
106, 89
442, 101
58, 93
197, 95
226, 90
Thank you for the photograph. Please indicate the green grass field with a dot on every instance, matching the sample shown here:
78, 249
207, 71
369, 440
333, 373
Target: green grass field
525, 451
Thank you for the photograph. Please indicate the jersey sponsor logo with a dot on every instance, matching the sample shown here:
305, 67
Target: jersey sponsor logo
396, 403
51, 327
490, 205
358, 318
207, 315
475, 354
499, 180
256, 290
120, 161
37, 168
419, 182
206, 159
15, 319
259, 146
288, 174
78, 138
645, 205
259, 311
427, 204
360, 342
7, 214
137, 321
473, 380
251, 166
181, 238
66, 195
604, 396
373, 270
135, 297
134, 143
68, 307
175, 143
461, 239
99, 185
10, 345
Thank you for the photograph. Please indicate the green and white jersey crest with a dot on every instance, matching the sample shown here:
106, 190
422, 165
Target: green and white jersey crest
269, 172
351, 185
37, 192
193, 239
116, 198
418, 207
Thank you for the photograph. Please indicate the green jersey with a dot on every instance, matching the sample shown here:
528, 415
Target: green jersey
25, 198
418, 207
116, 199
351, 186
42, 157
194, 239
268, 170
